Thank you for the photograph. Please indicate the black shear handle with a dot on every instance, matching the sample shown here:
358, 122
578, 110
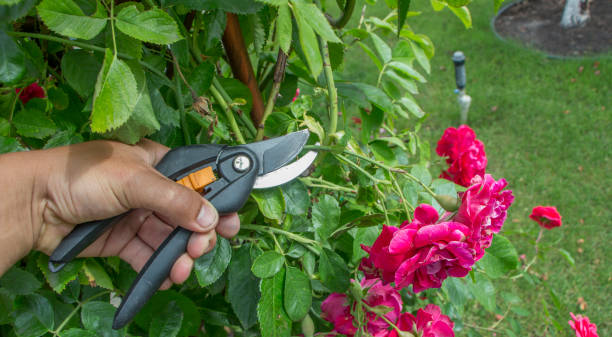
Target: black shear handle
226, 195
175, 164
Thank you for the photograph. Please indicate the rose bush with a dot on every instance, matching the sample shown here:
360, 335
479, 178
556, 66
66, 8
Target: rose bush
419, 250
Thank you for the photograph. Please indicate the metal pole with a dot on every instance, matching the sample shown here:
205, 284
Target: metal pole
460, 79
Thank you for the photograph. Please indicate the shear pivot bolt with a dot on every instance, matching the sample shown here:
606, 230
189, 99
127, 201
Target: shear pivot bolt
242, 163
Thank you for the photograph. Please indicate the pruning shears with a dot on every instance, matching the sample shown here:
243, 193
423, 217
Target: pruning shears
225, 175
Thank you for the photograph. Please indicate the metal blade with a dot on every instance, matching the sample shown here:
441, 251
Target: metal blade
276, 152
286, 173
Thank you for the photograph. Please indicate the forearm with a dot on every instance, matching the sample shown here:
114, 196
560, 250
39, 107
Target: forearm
20, 200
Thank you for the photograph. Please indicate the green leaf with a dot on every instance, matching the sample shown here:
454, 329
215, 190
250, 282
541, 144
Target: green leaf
314, 126
402, 10
34, 124
210, 266
201, 77
98, 316
568, 257
125, 44
325, 217
421, 57
457, 3
297, 295
274, 2
421, 173
484, 291
457, 291
407, 70
382, 47
19, 282
271, 202
372, 56
232, 6
62, 138
153, 25
115, 95
156, 305
273, 320
407, 84
65, 17
97, 275
375, 96
284, 28
10, 13
297, 199
411, 105
163, 112
80, 69
168, 324
5, 127
267, 264
8, 144
311, 14
243, 287
333, 271
364, 236
12, 60
60, 279
463, 13
33, 315
498, 4
76, 332
500, 258
309, 44
9, 2
6, 306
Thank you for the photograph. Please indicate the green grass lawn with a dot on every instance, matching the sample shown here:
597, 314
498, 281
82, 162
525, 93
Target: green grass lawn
546, 128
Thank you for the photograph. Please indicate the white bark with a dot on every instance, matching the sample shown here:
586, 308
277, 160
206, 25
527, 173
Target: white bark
576, 13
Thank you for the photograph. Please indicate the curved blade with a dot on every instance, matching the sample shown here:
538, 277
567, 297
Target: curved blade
276, 152
286, 173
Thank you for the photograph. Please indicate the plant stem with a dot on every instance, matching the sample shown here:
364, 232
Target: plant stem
319, 182
94, 48
74, 311
243, 117
228, 114
194, 95
359, 168
347, 12
181, 105
112, 19
12, 112
279, 74
293, 236
332, 94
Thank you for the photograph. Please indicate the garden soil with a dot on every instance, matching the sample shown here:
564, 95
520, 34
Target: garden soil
536, 24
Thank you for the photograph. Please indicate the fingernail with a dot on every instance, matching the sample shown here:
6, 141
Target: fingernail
207, 216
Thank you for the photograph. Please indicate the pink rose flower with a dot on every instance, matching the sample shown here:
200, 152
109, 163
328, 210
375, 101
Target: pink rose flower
31, 91
582, 326
547, 216
465, 154
422, 253
429, 322
337, 308
297, 94
483, 209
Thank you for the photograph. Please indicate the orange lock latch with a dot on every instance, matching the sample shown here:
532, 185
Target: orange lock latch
199, 179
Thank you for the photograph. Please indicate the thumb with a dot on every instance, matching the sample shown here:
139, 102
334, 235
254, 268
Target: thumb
175, 203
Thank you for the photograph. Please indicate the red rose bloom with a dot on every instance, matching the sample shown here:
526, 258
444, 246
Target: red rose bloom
337, 308
465, 155
582, 326
31, 91
547, 216
429, 322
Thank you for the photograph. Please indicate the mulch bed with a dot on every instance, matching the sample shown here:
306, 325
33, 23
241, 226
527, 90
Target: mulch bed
535, 23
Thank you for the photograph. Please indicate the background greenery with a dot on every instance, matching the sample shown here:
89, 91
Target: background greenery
545, 126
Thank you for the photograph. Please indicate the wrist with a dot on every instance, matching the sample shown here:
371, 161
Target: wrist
21, 205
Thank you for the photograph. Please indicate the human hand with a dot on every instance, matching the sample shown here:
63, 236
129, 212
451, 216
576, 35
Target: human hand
100, 179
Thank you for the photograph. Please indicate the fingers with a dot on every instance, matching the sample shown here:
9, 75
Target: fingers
229, 225
174, 203
201, 243
153, 150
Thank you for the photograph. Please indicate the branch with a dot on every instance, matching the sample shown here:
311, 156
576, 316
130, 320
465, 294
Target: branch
347, 12
279, 75
240, 63
332, 94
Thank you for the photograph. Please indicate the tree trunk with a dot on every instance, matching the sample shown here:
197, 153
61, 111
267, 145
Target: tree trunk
576, 13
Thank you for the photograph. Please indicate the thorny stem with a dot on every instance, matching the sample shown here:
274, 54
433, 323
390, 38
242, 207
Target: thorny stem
194, 95
332, 93
293, 236
320, 182
74, 311
228, 114
246, 120
91, 47
279, 74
